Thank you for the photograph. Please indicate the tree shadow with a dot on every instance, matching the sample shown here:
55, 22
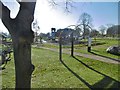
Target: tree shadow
105, 82
105, 56
75, 74
102, 84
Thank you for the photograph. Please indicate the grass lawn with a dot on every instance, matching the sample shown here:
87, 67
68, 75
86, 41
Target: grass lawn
99, 49
71, 72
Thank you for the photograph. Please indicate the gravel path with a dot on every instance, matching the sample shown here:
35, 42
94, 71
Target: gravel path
91, 56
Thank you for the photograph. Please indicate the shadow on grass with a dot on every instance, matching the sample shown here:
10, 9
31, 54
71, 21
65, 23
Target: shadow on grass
75, 74
105, 56
106, 82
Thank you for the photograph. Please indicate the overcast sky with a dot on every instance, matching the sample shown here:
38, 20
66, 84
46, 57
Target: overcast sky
102, 13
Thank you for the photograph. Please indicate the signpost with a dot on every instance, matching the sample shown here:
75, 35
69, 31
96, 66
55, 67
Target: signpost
72, 45
89, 44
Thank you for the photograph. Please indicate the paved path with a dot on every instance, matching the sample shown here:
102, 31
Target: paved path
91, 56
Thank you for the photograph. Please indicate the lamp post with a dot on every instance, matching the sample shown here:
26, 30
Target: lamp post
89, 40
89, 44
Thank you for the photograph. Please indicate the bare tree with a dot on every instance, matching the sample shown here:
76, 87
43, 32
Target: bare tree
102, 29
113, 31
86, 20
107, 29
22, 37
68, 4
36, 28
110, 25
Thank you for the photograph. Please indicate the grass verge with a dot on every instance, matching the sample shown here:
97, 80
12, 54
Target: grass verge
77, 72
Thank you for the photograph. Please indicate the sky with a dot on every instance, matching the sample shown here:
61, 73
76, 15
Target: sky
55, 16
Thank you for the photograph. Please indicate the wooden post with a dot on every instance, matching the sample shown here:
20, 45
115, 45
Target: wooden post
60, 48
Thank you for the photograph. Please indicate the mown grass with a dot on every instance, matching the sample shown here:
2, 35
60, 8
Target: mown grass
98, 47
77, 72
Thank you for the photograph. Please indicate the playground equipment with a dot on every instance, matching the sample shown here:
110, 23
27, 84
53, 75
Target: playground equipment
81, 32
5, 51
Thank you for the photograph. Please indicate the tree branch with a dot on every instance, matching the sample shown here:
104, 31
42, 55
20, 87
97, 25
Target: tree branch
25, 15
68, 5
5, 16
24, 20
52, 3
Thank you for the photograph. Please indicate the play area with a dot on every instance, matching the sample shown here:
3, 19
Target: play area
82, 70
52, 44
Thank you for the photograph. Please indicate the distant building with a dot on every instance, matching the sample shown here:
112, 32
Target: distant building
66, 35
53, 32
113, 31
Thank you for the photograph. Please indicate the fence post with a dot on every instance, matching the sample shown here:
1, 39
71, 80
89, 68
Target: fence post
60, 48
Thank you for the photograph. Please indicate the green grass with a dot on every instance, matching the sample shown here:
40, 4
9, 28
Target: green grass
72, 73
99, 49
47, 45
8, 75
50, 45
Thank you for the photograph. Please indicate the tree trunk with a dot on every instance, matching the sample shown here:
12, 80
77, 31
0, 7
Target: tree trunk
22, 55
22, 36
23, 64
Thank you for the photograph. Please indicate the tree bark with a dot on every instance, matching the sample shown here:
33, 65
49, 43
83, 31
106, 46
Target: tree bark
22, 36
23, 65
